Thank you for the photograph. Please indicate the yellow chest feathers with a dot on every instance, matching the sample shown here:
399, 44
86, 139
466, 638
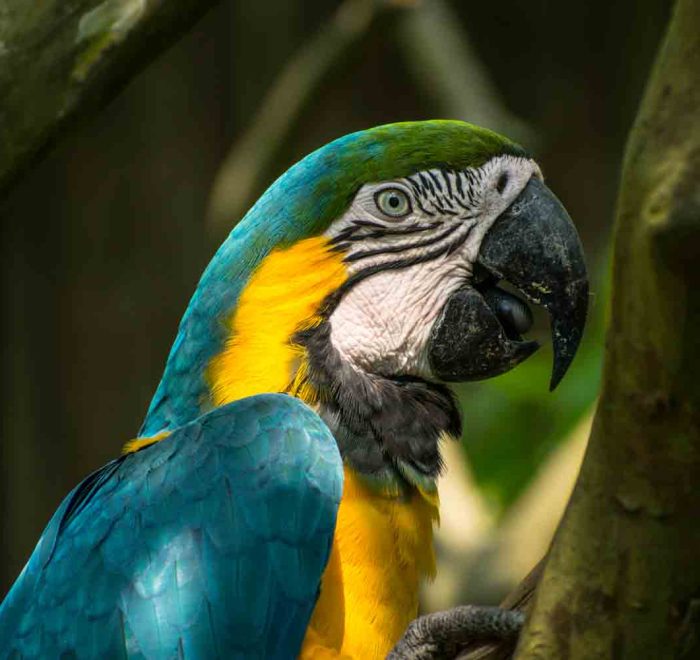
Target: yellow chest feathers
369, 592
382, 546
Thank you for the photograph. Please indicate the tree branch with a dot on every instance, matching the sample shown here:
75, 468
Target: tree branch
60, 58
623, 577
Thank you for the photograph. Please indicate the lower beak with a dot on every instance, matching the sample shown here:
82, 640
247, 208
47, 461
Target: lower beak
534, 246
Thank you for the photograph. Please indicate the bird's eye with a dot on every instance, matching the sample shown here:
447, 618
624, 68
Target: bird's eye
393, 202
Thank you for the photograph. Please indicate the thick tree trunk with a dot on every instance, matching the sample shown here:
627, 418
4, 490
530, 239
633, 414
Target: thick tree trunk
58, 57
623, 576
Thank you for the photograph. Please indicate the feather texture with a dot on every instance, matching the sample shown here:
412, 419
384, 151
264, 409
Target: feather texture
210, 543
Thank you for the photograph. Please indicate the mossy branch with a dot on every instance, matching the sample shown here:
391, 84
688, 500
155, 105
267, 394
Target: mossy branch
60, 58
623, 575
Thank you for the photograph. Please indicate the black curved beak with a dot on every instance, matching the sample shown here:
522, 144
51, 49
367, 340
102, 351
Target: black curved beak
534, 246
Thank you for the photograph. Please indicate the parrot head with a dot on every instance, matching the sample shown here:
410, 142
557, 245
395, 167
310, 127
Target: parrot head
367, 277
425, 253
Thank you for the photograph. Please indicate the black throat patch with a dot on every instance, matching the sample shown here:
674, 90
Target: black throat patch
387, 429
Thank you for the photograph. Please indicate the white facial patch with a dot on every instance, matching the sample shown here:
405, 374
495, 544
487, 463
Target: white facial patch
410, 244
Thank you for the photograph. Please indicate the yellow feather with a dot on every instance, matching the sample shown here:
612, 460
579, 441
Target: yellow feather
282, 296
369, 592
139, 443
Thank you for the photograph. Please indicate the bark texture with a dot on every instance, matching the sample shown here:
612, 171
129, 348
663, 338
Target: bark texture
623, 576
58, 57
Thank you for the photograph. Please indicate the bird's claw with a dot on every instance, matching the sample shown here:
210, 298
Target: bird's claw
444, 634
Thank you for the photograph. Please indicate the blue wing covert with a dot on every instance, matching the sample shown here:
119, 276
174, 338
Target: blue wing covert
210, 543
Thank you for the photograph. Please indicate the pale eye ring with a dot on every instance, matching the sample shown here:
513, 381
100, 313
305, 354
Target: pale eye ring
393, 202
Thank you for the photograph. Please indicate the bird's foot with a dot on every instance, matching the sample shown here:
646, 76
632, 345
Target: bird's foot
444, 634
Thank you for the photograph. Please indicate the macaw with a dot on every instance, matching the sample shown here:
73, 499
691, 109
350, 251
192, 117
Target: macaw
280, 497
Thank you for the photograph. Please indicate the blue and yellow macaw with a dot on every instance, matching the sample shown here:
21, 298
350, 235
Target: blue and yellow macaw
279, 499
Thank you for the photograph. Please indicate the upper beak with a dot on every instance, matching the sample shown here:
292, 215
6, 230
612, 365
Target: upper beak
534, 246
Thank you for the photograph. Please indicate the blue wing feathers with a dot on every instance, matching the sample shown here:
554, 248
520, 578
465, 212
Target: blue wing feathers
208, 544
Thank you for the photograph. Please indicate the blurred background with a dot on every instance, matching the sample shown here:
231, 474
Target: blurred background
103, 243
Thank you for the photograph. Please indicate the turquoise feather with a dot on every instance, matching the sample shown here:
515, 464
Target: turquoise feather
210, 543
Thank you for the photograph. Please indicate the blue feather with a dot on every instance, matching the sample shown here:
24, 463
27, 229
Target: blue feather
210, 543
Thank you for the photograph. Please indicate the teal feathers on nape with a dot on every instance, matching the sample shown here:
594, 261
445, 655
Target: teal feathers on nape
208, 544
300, 204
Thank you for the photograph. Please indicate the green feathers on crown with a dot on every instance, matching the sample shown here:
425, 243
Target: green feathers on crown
392, 151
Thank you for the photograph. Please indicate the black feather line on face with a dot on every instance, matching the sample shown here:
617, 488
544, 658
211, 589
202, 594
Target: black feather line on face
377, 230
436, 181
446, 178
360, 275
427, 184
469, 209
458, 183
384, 232
396, 249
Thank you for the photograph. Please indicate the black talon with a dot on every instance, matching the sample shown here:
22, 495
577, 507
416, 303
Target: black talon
444, 634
